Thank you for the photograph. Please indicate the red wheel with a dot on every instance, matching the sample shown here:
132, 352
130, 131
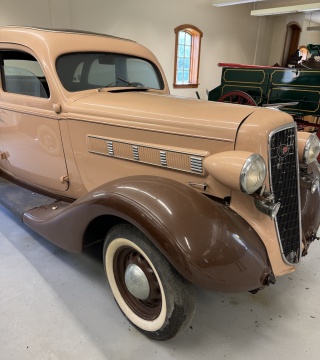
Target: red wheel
237, 97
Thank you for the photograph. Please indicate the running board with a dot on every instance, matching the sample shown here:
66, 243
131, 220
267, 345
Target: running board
45, 215
20, 200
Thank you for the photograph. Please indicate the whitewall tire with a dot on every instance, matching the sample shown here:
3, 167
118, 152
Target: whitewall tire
148, 290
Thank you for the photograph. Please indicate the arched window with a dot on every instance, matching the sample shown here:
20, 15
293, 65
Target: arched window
187, 56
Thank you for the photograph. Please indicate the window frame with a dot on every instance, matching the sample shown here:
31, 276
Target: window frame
25, 56
196, 36
87, 66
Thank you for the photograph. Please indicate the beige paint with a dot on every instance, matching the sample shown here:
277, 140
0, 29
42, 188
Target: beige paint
31, 136
154, 121
226, 167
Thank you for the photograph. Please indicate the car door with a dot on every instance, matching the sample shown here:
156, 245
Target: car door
29, 128
4, 163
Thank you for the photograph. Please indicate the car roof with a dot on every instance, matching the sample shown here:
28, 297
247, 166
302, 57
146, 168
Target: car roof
32, 29
54, 42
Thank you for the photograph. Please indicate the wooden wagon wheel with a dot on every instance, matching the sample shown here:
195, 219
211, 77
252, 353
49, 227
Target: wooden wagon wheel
237, 97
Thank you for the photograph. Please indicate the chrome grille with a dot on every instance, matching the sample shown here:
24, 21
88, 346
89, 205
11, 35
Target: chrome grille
285, 186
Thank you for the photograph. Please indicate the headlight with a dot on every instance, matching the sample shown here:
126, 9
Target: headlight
311, 149
308, 146
237, 170
252, 174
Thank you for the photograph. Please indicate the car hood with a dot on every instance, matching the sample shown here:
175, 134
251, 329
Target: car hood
165, 113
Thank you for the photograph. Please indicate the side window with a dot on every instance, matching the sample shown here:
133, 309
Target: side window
22, 74
187, 56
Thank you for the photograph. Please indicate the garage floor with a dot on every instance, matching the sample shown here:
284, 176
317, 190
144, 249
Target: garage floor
56, 305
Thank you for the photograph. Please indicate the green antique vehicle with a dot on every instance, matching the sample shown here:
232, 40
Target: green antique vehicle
297, 88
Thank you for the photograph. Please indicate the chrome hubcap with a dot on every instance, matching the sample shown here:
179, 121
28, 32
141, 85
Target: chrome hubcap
137, 282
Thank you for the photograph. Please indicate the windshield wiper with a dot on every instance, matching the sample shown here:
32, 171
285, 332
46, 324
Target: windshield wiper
127, 82
136, 85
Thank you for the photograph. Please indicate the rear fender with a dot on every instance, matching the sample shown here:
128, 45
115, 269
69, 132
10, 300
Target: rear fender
204, 240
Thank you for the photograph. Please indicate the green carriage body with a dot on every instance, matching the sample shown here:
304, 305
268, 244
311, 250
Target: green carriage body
273, 85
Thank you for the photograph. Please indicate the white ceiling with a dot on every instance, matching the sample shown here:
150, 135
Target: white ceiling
315, 16
265, 4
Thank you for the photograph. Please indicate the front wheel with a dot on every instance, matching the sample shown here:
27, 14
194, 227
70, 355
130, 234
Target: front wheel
148, 290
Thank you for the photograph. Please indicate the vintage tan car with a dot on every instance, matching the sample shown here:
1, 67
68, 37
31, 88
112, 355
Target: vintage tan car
183, 192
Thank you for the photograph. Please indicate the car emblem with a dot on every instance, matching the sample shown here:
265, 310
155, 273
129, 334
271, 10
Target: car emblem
283, 150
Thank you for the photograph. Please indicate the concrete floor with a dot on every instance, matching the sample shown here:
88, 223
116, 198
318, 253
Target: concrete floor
57, 305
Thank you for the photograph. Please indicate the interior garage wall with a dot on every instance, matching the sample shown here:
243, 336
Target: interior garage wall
230, 33
309, 37
152, 24
279, 35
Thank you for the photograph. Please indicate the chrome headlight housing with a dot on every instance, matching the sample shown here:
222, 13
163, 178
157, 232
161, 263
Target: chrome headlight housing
311, 149
308, 147
253, 174
237, 170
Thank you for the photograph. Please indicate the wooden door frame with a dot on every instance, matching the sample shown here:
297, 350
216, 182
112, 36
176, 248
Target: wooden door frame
294, 41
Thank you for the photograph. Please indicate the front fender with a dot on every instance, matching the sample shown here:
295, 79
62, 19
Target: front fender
310, 206
204, 240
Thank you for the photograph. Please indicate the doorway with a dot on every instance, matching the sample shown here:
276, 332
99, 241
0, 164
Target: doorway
291, 42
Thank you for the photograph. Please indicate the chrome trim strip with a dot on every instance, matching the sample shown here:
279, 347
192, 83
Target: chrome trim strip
110, 148
163, 158
135, 151
196, 164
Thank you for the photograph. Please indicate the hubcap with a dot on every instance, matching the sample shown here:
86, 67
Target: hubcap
137, 282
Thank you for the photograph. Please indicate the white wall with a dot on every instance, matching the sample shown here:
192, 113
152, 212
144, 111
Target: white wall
230, 33
152, 24
309, 37
34, 12
279, 34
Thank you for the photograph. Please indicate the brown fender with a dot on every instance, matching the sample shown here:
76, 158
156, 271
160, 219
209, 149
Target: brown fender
310, 206
205, 241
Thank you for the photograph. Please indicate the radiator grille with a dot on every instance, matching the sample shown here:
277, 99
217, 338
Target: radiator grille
284, 183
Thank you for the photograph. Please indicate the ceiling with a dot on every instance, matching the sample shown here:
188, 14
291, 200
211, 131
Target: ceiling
268, 4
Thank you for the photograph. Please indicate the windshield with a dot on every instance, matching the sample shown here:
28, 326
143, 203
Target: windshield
84, 71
